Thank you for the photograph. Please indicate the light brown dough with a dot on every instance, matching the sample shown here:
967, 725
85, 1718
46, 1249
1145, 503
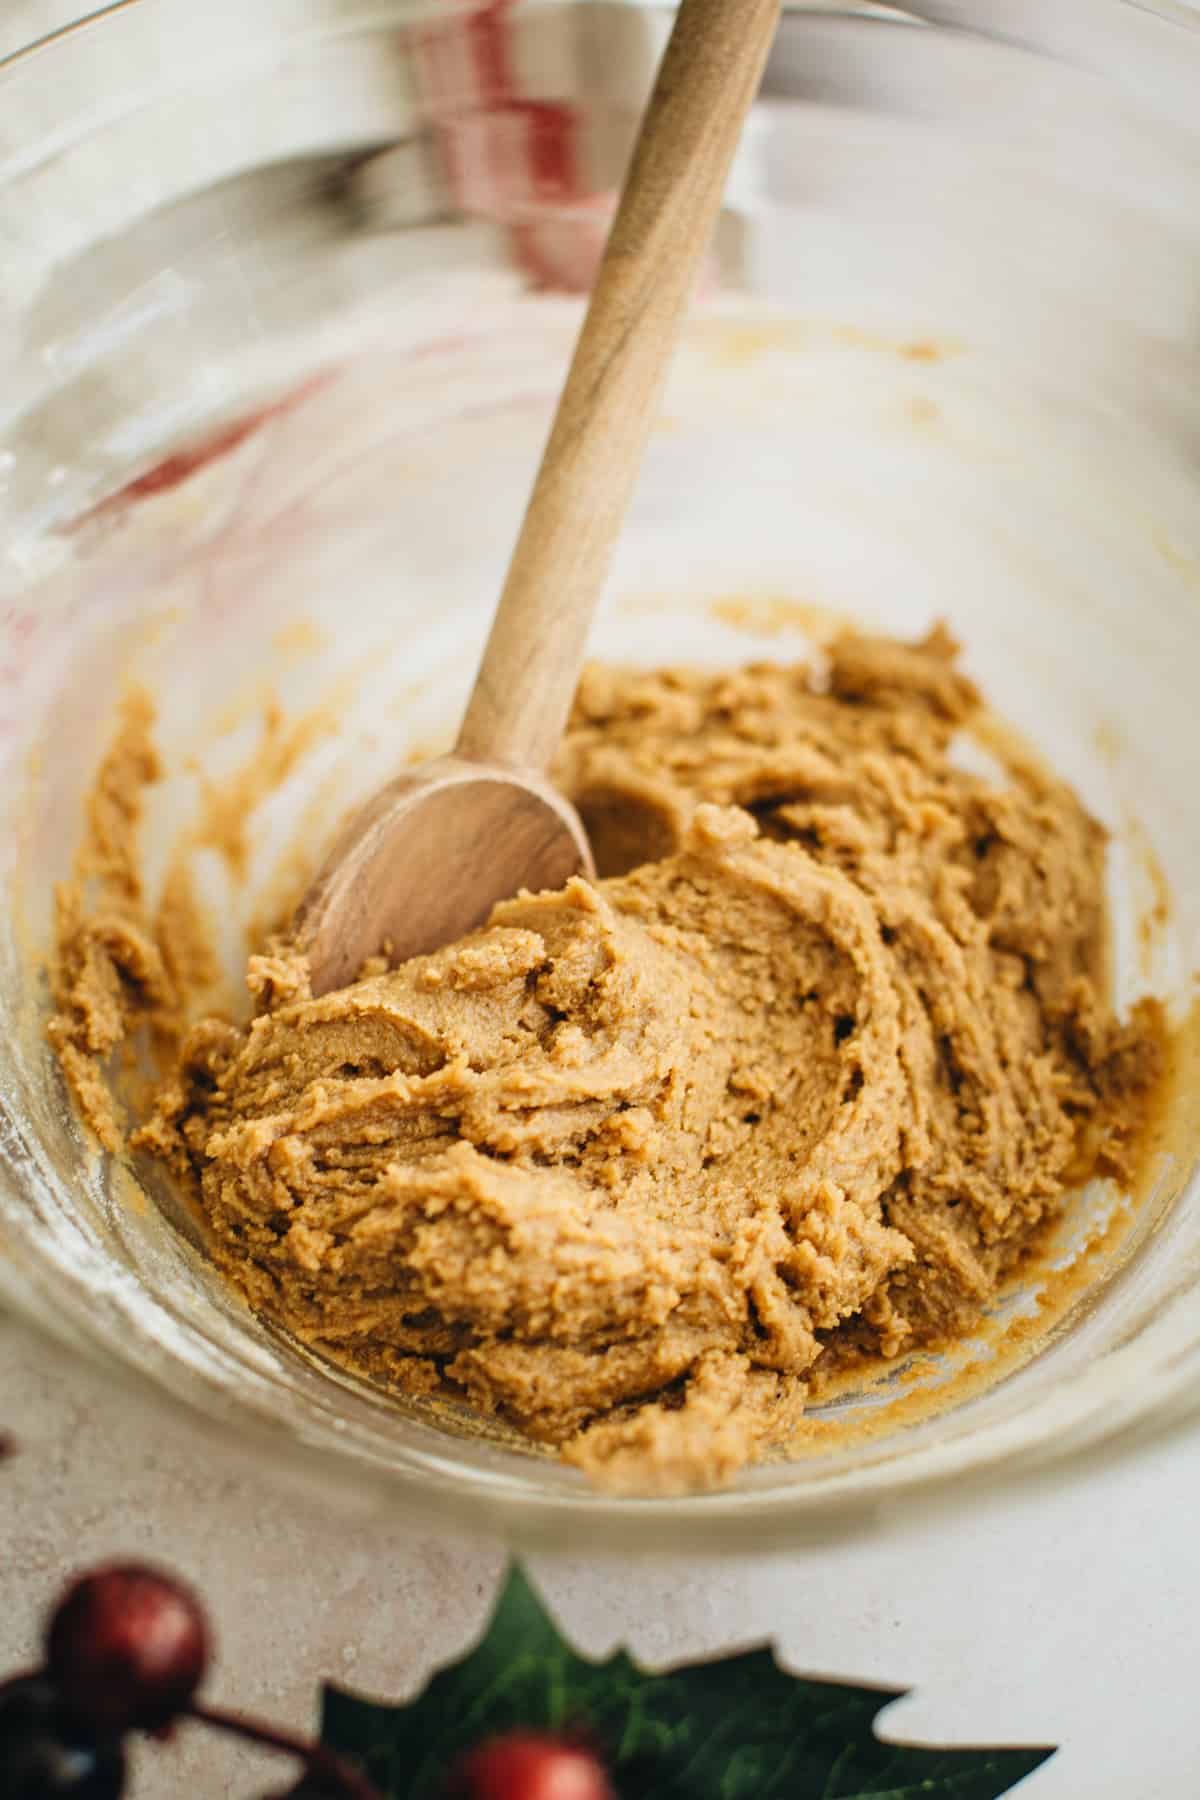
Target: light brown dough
112, 967
633, 1163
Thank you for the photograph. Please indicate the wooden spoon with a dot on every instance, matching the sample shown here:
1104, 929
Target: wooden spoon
431, 854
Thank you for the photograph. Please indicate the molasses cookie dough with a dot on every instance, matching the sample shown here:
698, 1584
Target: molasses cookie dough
800, 1079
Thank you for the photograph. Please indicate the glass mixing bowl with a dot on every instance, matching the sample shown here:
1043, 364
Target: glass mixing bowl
286, 305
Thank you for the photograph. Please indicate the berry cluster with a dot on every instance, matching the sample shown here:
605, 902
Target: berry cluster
126, 1650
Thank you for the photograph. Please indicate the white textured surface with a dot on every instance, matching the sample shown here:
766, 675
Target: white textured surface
1063, 1614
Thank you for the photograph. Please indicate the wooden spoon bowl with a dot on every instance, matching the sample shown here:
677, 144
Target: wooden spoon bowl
427, 860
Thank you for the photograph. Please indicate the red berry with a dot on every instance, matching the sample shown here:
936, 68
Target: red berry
127, 1648
529, 1765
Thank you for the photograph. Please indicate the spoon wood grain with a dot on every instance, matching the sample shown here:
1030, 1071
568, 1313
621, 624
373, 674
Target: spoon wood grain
431, 854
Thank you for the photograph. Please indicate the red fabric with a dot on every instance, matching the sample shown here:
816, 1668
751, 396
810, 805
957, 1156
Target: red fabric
507, 157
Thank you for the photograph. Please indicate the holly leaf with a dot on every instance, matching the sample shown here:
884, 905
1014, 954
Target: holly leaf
739, 1728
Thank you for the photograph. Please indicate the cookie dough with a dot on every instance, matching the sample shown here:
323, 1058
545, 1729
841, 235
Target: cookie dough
801, 1080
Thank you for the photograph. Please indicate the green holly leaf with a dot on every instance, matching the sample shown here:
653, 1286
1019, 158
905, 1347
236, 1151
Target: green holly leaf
739, 1728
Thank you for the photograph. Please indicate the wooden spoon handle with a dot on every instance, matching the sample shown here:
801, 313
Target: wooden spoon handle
709, 76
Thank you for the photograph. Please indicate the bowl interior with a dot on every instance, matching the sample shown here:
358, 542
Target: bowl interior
945, 367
